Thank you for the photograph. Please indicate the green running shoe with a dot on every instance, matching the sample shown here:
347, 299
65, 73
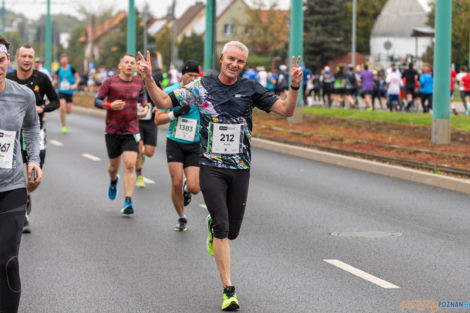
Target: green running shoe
140, 182
210, 237
230, 301
64, 130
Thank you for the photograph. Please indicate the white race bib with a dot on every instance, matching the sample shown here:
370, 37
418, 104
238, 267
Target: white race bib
7, 148
225, 138
64, 85
185, 129
42, 136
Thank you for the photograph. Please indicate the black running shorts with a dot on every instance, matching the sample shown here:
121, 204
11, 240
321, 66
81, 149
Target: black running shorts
225, 192
186, 153
116, 144
68, 97
148, 132
410, 91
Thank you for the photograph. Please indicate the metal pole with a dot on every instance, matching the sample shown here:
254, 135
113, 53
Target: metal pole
48, 58
131, 28
209, 37
174, 54
3, 18
442, 59
353, 48
90, 40
145, 13
296, 47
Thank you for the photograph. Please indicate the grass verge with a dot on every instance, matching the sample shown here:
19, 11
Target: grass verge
459, 122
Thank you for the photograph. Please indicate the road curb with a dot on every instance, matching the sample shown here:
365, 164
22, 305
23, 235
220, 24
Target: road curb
404, 173
89, 111
446, 182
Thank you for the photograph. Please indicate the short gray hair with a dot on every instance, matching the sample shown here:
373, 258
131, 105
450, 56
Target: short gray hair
236, 44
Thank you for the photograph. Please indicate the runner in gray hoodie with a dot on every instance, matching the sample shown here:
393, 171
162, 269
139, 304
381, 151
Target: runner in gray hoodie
17, 111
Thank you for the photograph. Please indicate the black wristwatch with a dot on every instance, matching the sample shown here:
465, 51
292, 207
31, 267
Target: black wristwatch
295, 88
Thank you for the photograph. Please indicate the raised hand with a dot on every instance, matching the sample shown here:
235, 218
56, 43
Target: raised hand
144, 65
295, 72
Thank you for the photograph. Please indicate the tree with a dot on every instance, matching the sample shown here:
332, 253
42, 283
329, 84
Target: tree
325, 34
460, 31
163, 44
191, 48
115, 46
367, 13
268, 28
15, 41
76, 48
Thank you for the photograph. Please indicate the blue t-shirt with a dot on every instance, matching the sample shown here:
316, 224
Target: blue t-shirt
426, 81
307, 75
66, 79
231, 105
250, 74
192, 114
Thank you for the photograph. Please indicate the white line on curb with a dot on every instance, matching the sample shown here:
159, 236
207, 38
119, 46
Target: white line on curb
148, 181
91, 157
355, 271
56, 143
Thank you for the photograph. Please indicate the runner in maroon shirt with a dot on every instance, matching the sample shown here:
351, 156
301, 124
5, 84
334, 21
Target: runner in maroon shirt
123, 92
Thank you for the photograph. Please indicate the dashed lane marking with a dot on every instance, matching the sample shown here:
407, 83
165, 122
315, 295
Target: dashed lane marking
91, 157
203, 206
359, 273
148, 180
56, 143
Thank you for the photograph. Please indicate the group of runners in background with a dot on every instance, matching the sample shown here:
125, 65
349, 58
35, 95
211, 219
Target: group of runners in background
208, 143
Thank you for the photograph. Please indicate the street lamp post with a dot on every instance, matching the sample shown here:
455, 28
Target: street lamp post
3, 18
353, 43
442, 58
131, 28
48, 57
296, 47
209, 37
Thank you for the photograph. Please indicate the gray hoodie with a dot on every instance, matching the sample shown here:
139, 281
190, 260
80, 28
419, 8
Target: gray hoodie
17, 111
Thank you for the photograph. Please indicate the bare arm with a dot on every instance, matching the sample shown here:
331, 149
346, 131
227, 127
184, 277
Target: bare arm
286, 107
144, 69
77, 81
161, 117
55, 80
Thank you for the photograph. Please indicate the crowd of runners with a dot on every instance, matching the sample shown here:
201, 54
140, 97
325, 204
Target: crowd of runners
398, 88
208, 143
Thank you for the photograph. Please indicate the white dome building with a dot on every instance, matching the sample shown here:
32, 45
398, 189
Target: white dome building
391, 34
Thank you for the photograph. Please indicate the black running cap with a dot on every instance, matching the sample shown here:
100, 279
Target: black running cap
190, 67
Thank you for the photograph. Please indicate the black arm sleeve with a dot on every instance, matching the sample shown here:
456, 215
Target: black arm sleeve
99, 101
51, 95
174, 100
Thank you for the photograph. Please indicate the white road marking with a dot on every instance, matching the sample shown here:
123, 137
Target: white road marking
355, 271
55, 143
148, 181
91, 157
203, 206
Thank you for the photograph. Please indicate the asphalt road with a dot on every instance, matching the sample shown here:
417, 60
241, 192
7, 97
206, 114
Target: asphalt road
83, 256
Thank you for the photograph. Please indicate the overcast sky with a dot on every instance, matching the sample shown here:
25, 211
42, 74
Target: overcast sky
34, 8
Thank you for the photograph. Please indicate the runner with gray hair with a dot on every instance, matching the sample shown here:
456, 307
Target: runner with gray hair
225, 104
